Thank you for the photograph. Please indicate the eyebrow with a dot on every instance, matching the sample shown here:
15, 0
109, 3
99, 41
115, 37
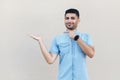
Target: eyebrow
69, 17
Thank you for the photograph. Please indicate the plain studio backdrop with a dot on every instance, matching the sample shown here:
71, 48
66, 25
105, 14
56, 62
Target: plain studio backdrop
20, 56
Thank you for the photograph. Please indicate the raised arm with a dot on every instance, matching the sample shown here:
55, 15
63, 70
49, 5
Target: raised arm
87, 49
49, 57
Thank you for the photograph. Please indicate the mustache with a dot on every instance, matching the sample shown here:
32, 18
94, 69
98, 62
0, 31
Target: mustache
70, 27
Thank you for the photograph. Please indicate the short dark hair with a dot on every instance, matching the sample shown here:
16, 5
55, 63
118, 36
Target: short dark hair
72, 10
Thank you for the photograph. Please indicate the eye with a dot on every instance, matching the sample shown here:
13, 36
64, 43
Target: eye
72, 18
66, 18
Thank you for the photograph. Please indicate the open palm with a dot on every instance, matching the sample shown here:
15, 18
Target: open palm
35, 37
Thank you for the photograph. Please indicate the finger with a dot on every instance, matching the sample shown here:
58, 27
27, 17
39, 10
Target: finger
32, 36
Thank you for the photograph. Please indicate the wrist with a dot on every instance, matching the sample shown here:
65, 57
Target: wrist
39, 40
76, 37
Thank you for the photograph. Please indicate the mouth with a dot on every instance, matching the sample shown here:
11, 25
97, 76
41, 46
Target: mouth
70, 27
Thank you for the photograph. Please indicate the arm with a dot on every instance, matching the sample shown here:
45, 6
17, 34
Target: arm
49, 57
88, 50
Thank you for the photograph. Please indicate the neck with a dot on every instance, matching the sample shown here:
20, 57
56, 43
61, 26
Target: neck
71, 30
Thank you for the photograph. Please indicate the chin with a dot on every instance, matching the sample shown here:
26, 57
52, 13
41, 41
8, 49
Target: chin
70, 28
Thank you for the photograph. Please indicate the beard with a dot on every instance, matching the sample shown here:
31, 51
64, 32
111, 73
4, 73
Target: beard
70, 27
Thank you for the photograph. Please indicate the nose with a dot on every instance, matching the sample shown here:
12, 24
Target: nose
69, 20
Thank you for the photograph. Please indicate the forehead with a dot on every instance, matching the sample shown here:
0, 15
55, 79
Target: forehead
70, 15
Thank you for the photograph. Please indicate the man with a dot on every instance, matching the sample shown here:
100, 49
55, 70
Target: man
72, 47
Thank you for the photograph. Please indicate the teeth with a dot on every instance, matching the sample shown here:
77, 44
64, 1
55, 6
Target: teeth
70, 26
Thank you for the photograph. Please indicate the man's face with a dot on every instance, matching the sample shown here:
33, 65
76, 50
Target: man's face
71, 21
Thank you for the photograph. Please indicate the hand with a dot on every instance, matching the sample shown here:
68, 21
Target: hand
71, 34
38, 38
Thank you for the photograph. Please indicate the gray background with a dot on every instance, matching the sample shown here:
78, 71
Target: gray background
20, 56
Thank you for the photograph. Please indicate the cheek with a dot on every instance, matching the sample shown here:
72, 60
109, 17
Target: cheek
76, 22
65, 21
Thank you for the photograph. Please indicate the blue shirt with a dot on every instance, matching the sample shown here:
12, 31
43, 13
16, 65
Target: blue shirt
72, 64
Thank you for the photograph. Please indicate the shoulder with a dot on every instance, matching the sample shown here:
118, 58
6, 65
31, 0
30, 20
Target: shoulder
60, 36
85, 35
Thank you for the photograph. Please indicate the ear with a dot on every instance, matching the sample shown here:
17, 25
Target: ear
79, 20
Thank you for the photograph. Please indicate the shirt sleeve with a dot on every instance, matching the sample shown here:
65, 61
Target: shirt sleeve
54, 47
89, 42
